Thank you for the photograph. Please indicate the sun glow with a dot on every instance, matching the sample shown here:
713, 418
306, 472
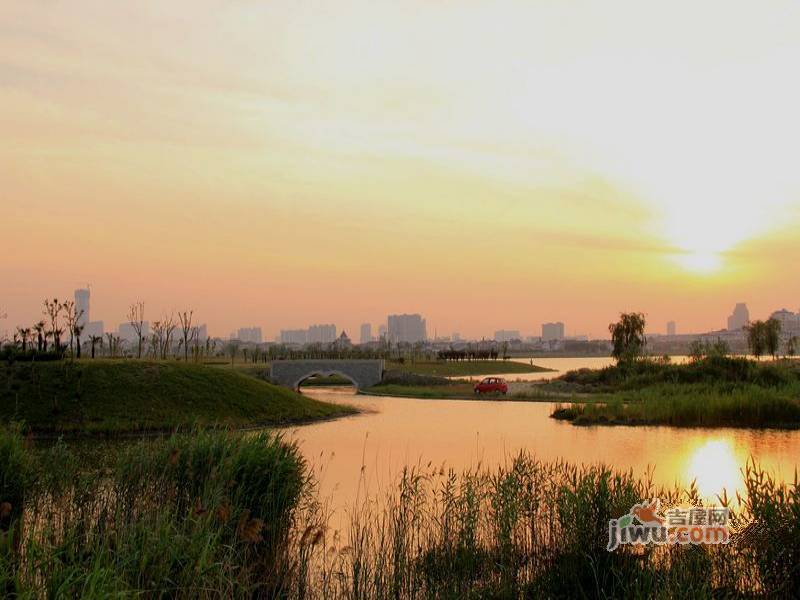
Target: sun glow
714, 467
700, 262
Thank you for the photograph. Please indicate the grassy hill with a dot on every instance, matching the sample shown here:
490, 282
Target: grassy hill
105, 396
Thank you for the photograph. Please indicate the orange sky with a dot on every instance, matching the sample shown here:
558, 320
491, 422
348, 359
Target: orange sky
490, 165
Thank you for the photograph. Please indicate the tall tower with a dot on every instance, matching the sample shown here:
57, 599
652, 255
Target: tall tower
82, 304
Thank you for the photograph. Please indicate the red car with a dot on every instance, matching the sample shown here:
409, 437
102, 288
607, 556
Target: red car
489, 385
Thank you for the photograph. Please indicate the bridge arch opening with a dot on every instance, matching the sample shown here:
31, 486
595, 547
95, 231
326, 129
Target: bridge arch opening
318, 378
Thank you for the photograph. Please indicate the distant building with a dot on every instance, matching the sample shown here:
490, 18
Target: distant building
343, 341
552, 331
294, 336
456, 337
790, 322
250, 334
672, 329
322, 334
740, 317
506, 335
383, 332
366, 333
202, 332
128, 334
407, 328
93, 329
82, 306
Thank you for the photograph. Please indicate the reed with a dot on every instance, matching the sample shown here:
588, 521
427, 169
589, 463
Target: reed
217, 514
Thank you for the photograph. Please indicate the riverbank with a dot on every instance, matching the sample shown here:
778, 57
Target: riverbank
712, 392
465, 368
113, 397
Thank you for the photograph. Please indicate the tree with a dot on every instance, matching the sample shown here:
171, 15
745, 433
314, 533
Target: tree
51, 311
791, 346
94, 340
41, 341
756, 338
772, 336
627, 337
187, 332
73, 317
233, 349
136, 319
24, 334
78, 332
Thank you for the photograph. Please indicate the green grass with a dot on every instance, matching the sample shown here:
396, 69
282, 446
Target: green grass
465, 368
207, 515
693, 405
452, 391
106, 396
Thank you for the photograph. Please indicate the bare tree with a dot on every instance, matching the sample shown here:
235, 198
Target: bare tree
162, 336
51, 311
111, 344
73, 317
169, 328
136, 319
95, 339
41, 340
24, 334
187, 331
78, 331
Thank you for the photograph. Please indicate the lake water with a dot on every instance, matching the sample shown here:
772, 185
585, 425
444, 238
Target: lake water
363, 455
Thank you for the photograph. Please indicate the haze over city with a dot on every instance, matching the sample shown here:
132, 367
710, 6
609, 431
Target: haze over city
281, 165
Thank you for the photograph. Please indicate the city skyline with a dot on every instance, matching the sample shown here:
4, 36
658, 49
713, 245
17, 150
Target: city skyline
732, 319
315, 165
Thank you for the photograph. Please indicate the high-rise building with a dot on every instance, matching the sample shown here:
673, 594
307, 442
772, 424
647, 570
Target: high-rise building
407, 328
294, 336
82, 306
506, 335
322, 334
82, 303
552, 331
740, 317
250, 334
456, 337
366, 333
383, 333
672, 329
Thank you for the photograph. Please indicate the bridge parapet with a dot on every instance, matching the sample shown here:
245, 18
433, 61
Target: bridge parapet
291, 373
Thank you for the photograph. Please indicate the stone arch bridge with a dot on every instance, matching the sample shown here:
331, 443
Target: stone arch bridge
291, 373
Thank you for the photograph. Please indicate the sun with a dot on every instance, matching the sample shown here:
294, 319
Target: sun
701, 262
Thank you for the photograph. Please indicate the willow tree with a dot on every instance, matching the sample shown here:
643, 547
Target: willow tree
756, 338
772, 336
627, 337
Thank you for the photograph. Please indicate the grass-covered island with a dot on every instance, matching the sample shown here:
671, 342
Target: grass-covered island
710, 391
123, 396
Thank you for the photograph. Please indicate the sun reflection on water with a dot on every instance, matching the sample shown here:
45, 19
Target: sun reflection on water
714, 466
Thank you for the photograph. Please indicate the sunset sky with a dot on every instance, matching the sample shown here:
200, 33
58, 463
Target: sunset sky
487, 164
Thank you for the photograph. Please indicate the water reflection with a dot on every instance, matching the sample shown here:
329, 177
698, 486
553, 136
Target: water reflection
365, 453
715, 465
